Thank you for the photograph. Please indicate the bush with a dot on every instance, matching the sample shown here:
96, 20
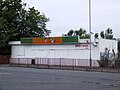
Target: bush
117, 63
103, 63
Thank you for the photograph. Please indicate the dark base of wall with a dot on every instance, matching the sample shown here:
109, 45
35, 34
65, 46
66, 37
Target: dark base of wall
4, 59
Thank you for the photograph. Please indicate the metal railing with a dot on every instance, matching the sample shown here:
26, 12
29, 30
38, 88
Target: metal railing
60, 63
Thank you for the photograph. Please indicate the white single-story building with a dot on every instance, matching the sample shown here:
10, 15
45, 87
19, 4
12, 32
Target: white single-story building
60, 51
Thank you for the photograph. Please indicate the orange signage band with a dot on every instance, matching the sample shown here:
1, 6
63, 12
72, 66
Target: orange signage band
48, 40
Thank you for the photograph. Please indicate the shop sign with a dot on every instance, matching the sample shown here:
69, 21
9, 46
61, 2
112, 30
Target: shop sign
48, 40
82, 46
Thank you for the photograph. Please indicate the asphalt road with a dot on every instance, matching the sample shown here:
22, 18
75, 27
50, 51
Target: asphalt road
15, 78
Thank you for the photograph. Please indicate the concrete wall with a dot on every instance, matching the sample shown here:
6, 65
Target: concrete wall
54, 51
109, 44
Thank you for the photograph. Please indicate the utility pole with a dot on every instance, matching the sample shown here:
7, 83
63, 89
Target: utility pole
90, 59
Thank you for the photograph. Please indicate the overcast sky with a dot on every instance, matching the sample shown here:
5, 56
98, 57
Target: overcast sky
73, 14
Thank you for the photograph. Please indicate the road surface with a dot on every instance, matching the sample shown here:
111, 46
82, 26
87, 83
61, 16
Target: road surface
17, 78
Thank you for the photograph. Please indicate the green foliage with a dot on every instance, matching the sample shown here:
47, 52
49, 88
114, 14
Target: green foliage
108, 34
119, 48
103, 63
102, 34
119, 44
96, 35
70, 33
117, 63
34, 24
17, 22
81, 32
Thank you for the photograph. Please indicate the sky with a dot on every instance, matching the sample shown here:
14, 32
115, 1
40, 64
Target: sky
65, 15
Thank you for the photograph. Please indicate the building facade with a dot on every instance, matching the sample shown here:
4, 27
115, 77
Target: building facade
67, 51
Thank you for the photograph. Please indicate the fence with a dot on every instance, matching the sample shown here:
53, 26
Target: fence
50, 61
54, 62
60, 63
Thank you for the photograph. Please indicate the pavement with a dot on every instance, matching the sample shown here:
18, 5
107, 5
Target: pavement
92, 69
18, 78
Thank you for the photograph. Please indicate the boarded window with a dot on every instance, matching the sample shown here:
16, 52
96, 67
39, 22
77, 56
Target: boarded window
20, 51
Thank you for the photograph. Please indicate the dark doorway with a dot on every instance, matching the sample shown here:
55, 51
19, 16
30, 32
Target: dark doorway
33, 61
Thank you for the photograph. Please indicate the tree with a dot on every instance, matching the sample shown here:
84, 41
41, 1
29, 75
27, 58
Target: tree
81, 32
34, 24
102, 34
96, 35
118, 48
108, 34
70, 33
16, 22
9, 20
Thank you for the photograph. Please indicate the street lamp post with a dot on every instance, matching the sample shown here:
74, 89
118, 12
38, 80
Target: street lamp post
90, 59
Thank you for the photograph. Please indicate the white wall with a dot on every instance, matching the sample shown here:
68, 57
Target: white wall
53, 51
110, 44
